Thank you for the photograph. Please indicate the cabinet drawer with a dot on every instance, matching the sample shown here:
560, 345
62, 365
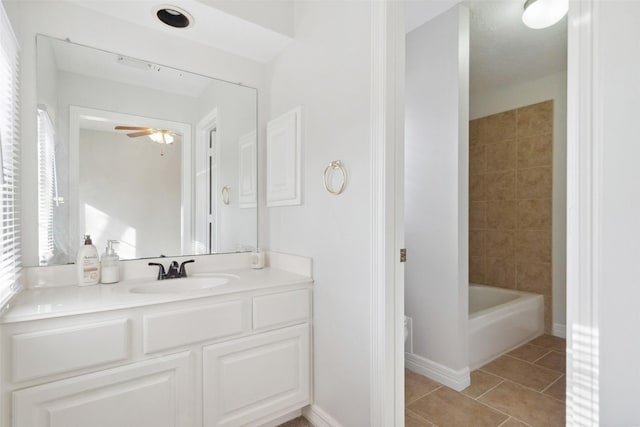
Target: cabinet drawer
55, 351
182, 327
281, 308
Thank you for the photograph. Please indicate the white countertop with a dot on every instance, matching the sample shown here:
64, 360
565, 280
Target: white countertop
49, 302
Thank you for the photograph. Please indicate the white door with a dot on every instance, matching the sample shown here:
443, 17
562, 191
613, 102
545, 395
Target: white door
158, 393
250, 378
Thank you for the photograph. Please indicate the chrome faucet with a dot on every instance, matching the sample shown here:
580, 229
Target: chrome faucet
175, 271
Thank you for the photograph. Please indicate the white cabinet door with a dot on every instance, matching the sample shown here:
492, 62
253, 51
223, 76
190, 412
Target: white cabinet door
250, 378
158, 393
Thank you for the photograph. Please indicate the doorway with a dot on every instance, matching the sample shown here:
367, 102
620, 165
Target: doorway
445, 199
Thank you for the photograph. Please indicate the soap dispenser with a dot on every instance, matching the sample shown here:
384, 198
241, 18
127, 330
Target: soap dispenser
110, 264
257, 259
88, 263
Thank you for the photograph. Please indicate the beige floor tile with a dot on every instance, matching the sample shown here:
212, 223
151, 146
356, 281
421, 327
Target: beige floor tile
551, 342
447, 408
533, 408
554, 360
529, 353
416, 386
558, 389
297, 422
512, 422
527, 374
413, 420
481, 382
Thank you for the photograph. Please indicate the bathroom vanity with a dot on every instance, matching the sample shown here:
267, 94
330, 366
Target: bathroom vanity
236, 353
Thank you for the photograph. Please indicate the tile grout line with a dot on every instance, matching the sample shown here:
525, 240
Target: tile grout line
549, 386
544, 355
421, 396
502, 412
492, 388
511, 417
419, 416
537, 366
486, 405
525, 360
519, 384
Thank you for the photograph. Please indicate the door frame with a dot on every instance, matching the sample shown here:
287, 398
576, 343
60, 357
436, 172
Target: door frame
208, 123
584, 154
387, 214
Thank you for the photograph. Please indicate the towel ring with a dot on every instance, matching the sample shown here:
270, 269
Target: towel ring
225, 194
335, 165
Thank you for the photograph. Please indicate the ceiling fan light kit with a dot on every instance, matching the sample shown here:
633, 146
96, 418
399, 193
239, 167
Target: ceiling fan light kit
161, 136
540, 14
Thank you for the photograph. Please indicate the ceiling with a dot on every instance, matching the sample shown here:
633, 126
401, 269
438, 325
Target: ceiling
211, 26
104, 65
504, 51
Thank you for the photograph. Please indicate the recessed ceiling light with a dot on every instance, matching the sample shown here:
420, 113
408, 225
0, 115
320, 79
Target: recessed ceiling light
544, 13
174, 16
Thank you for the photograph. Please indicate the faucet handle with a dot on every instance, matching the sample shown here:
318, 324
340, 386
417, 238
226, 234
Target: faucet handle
183, 270
161, 273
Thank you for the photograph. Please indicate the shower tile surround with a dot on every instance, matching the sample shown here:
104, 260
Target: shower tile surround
510, 200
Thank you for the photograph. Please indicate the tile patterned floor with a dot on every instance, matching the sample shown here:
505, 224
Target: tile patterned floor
297, 422
525, 387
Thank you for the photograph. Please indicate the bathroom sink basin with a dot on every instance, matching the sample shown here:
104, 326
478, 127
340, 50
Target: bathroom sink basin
184, 285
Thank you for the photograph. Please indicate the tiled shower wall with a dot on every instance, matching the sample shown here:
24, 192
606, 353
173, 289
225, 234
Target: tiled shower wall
510, 198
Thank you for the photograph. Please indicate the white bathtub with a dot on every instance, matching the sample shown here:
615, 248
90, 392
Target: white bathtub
501, 320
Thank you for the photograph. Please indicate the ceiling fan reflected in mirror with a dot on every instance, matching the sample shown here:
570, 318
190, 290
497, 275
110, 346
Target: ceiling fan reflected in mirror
161, 136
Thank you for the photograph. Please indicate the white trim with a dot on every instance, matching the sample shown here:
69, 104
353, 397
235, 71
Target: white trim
457, 380
584, 155
387, 296
288, 161
318, 417
75, 113
283, 419
203, 194
559, 330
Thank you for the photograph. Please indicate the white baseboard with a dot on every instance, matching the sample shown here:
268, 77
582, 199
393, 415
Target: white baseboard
283, 419
457, 380
559, 330
318, 417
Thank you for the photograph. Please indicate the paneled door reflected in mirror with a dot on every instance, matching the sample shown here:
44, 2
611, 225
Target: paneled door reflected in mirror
160, 159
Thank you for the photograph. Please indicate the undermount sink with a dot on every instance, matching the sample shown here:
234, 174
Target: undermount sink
187, 284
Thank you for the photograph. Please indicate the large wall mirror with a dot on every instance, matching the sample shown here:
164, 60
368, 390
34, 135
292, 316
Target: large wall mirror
160, 159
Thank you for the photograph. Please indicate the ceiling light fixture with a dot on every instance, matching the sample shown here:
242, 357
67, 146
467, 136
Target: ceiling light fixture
174, 16
162, 137
543, 13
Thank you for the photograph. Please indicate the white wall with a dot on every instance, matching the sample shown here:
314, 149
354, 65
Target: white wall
327, 70
129, 192
62, 19
436, 189
484, 103
617, 209
276, 15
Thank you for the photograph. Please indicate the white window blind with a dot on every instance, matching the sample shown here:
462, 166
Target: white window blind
10, 162
48, 197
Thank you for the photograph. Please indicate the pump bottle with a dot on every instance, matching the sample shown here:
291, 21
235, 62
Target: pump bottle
88, 263
110, 271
